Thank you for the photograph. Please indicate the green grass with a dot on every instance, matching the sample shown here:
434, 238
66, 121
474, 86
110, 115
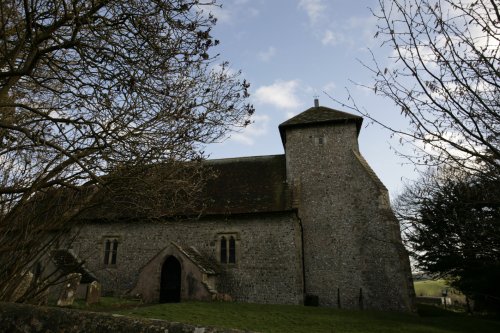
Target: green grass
435, 288
430, 287
295, 319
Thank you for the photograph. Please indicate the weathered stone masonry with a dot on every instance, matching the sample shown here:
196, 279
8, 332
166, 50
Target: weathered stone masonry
313, 223
351, 239
268, 257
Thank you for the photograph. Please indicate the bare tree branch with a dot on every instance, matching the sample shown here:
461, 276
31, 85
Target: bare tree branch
93, 90
444, 76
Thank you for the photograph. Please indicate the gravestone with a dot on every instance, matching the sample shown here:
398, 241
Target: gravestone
93, 293
68, 291
22, 287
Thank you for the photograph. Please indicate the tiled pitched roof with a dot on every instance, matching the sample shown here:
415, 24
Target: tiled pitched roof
247, 185
254, 184
319, 115
204, 263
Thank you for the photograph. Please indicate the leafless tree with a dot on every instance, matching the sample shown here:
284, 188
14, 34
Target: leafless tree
444, 77
93, 88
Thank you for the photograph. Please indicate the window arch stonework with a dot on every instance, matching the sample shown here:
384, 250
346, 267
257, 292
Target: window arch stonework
110, 250
228, 248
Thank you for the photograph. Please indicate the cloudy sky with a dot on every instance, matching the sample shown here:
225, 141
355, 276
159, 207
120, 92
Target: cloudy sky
293, 50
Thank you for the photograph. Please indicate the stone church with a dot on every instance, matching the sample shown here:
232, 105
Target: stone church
312, 226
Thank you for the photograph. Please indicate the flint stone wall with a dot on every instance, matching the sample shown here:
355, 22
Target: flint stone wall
23, 318
353, 253
268, 265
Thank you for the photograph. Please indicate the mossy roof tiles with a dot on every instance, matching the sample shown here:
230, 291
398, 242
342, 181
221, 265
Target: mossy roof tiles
247, 185
205, 263
243, 185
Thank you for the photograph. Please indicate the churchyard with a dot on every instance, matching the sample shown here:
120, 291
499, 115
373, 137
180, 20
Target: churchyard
298, 319
288, 318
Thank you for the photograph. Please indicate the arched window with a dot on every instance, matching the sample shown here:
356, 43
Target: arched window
227, 244
110, 250
223, 250
107, 248
114, 252
232, 250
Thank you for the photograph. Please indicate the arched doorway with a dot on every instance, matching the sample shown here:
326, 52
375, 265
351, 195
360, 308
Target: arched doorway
170, 286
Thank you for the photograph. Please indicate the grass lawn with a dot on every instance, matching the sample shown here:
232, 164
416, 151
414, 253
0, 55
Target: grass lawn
430, 287
291, 319
106, 304
435, 287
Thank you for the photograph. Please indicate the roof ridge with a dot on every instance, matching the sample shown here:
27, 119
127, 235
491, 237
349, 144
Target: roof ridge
243, 158
319, 114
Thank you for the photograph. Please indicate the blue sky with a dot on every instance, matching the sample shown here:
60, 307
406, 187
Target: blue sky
292, 50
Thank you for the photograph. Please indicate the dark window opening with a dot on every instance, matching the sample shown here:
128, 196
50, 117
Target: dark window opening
106, 252
223, 250
227, 248
110, 251
232, 250
113, 252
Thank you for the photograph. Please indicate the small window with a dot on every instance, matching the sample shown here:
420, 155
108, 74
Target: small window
223, 250
319, 140
227, 246
113, 252
110, 251
232, 250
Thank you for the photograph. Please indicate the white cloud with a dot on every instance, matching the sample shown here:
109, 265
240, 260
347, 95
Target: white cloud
329, 87
330, 28
332, 38
258, 127
309, 90
313, 8
268, 54
281, 94
444, 144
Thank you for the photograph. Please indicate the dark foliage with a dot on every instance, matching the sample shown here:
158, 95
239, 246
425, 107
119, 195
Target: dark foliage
452, 226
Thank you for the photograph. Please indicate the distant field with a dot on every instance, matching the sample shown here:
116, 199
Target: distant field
435, 288
301, 319
430, 287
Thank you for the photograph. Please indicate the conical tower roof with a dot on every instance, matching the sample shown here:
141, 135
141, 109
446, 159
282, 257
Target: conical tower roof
319, 115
